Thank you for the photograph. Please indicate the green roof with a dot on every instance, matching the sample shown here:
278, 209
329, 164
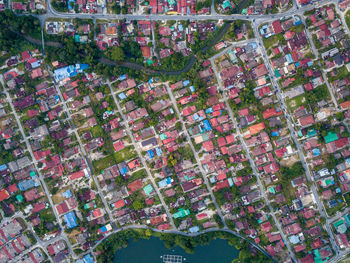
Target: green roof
148, 189
181, 213
226, 4
311, 133
277, 73
32, 173
347, 219
232, 56
163, 136
272, 190
328, 181
149, 62
331, 137
19, 198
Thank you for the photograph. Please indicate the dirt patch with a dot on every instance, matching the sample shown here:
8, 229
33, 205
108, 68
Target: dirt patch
290, 161
58, 198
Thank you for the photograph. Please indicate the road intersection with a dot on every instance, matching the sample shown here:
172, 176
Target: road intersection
256, 20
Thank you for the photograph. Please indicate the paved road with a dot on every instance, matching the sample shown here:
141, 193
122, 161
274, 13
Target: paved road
315, 51
251, 161
204, 173
138, 150
293, 134
82, 149
41, 178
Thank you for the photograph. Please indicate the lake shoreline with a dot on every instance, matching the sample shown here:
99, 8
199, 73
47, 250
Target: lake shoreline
107, 249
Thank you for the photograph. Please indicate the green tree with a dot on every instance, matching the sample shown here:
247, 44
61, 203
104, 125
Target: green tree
117, 54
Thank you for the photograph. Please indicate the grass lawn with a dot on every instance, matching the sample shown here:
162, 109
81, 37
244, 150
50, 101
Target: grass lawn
347, 18
342, 73
296, 102
126, 154
101, 164
139, 174
269, 42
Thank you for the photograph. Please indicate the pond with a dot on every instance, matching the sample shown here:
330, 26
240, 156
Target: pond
153, 251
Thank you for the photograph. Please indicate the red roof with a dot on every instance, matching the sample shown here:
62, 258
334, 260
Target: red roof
308, 86
269, 113
345, 104
163, 226
77, 175
276, 25
62, 208
136, 185
221, 141
266, 227
12, 188
4, 194
230, 139
118, 146
208, 146
308, 120
51, 249
119, 204
243, 112
146, 52
25, 55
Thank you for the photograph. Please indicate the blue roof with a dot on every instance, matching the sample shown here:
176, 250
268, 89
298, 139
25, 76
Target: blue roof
209, 110
67, 194
103, 229
124, 170
122, 96
206, 125
274, 133
69, 6
88, 259
70, 219
347, 160
297, 64
158, 151
122, 77
316, 152
164, 182
253, 45
150, 153
186, 82
194, 229
192, 89
289, 58
3, 167
27, 184
230, 181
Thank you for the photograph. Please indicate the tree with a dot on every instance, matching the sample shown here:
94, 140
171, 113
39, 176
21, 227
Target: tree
137, 205
117, 54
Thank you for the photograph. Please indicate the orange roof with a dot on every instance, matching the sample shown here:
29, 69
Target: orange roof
345, 104
119, 204
146, 52
4, 195
256, 128
112, 30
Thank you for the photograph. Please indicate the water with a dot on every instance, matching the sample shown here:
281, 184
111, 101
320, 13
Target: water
150, 251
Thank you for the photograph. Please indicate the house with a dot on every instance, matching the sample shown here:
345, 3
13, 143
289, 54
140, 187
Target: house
4, 195
307, 120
